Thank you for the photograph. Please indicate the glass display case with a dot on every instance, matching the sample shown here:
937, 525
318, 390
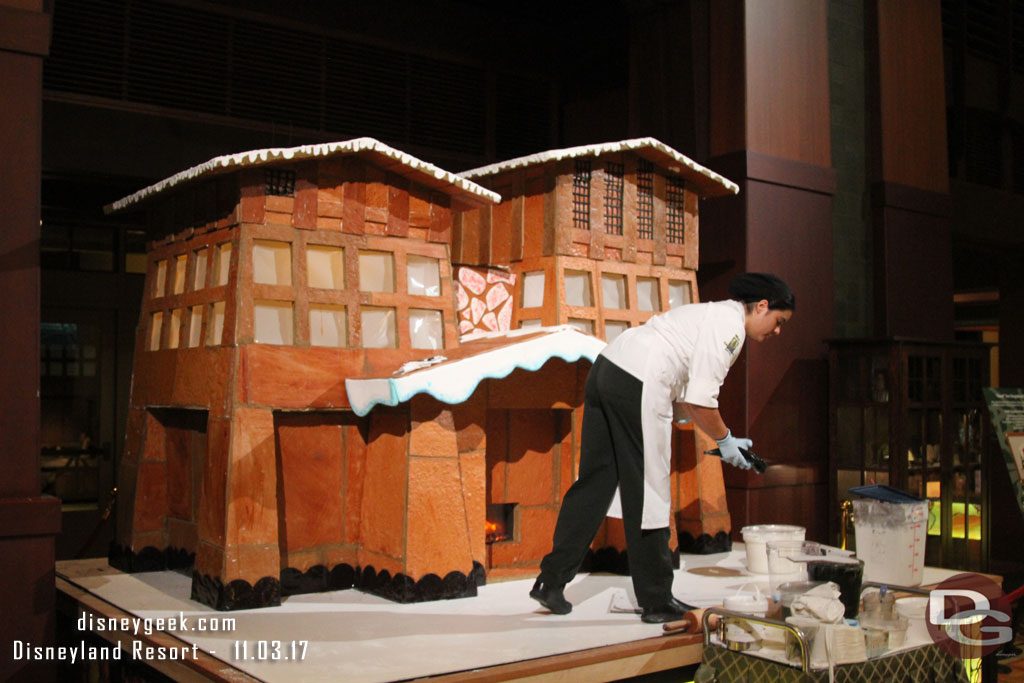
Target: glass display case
911, 414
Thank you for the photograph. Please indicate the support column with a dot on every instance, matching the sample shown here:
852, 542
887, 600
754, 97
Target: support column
238, 558
29, 522
770, 131
911, 205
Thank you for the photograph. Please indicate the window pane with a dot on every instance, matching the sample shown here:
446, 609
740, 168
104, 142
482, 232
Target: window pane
613, 328
180, 264
376, 271
199, 279
326, 267
272, 322
271, 262
533, 289
161, 279
678, 293
378, 328
577, 288
223, 265
195, 327
613, 289
156, 326
582, 325
529, 323
328, 326
215, 324
424, 275
426, 329
174, 338
647, 294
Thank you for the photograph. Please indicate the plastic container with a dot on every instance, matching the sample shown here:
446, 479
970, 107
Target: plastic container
890, 540
915, 610
845, 572
883, 635
756, 537
781, 567
739, 633
788, 592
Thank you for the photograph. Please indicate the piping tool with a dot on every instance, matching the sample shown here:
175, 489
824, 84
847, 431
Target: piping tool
758, 463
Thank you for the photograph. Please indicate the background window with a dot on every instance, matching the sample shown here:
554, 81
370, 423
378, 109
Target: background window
174, 338
582, 325
195, 327
647, 295
328, 326
678, 293
156, 327
199, 279
223, 265
379, 328
577, 288
613, 328
271, 262
533, 289
325, 267
376, 271
161, 279
424, 274
272, 322
215, 324
180, 266
613, 290
426, 329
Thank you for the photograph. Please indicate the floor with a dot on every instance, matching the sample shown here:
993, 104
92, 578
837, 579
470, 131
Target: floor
1014, 671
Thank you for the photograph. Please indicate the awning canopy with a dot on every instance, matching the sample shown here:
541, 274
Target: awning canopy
453, 377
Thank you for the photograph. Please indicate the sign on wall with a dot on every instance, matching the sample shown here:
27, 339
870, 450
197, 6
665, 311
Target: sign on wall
1006, 407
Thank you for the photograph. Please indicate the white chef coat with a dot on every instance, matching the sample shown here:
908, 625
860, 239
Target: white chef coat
681, 356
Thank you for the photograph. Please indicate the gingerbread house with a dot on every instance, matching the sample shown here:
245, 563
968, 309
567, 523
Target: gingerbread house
355, 369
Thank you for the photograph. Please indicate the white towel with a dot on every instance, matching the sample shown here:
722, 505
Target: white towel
822, 603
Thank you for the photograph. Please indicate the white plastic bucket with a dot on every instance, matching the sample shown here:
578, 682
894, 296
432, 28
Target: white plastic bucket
890, 540
756, 537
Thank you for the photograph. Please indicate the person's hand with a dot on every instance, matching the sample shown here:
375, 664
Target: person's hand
730, 446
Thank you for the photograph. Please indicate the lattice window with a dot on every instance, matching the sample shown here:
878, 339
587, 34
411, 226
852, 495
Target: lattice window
581, 195
675, 212
613, 187
645, 200
279, 183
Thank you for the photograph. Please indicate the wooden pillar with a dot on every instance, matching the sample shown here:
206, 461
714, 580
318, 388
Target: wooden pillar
28, 521
769, 130
911, 205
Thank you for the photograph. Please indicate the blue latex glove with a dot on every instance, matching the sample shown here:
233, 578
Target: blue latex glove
730, 447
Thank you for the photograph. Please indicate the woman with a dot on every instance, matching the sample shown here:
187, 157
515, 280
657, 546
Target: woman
672, 367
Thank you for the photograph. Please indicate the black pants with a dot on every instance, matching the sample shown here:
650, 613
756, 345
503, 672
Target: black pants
611, 454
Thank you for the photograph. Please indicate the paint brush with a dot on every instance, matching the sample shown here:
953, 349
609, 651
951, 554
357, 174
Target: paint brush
758, 463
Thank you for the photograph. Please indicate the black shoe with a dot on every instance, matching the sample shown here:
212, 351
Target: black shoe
673, 610
550, 597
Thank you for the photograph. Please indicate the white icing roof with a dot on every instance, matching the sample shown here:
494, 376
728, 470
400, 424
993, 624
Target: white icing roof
454, 380
707, 181
387, 157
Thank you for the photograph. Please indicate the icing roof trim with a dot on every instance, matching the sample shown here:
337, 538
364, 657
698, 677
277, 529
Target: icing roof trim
711, 183
415, 169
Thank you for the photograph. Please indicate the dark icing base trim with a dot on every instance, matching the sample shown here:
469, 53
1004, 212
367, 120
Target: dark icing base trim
705, 544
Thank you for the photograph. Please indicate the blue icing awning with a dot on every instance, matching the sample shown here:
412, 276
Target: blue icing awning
453, 380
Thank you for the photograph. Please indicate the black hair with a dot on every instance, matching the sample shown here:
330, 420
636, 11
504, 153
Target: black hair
753, 287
